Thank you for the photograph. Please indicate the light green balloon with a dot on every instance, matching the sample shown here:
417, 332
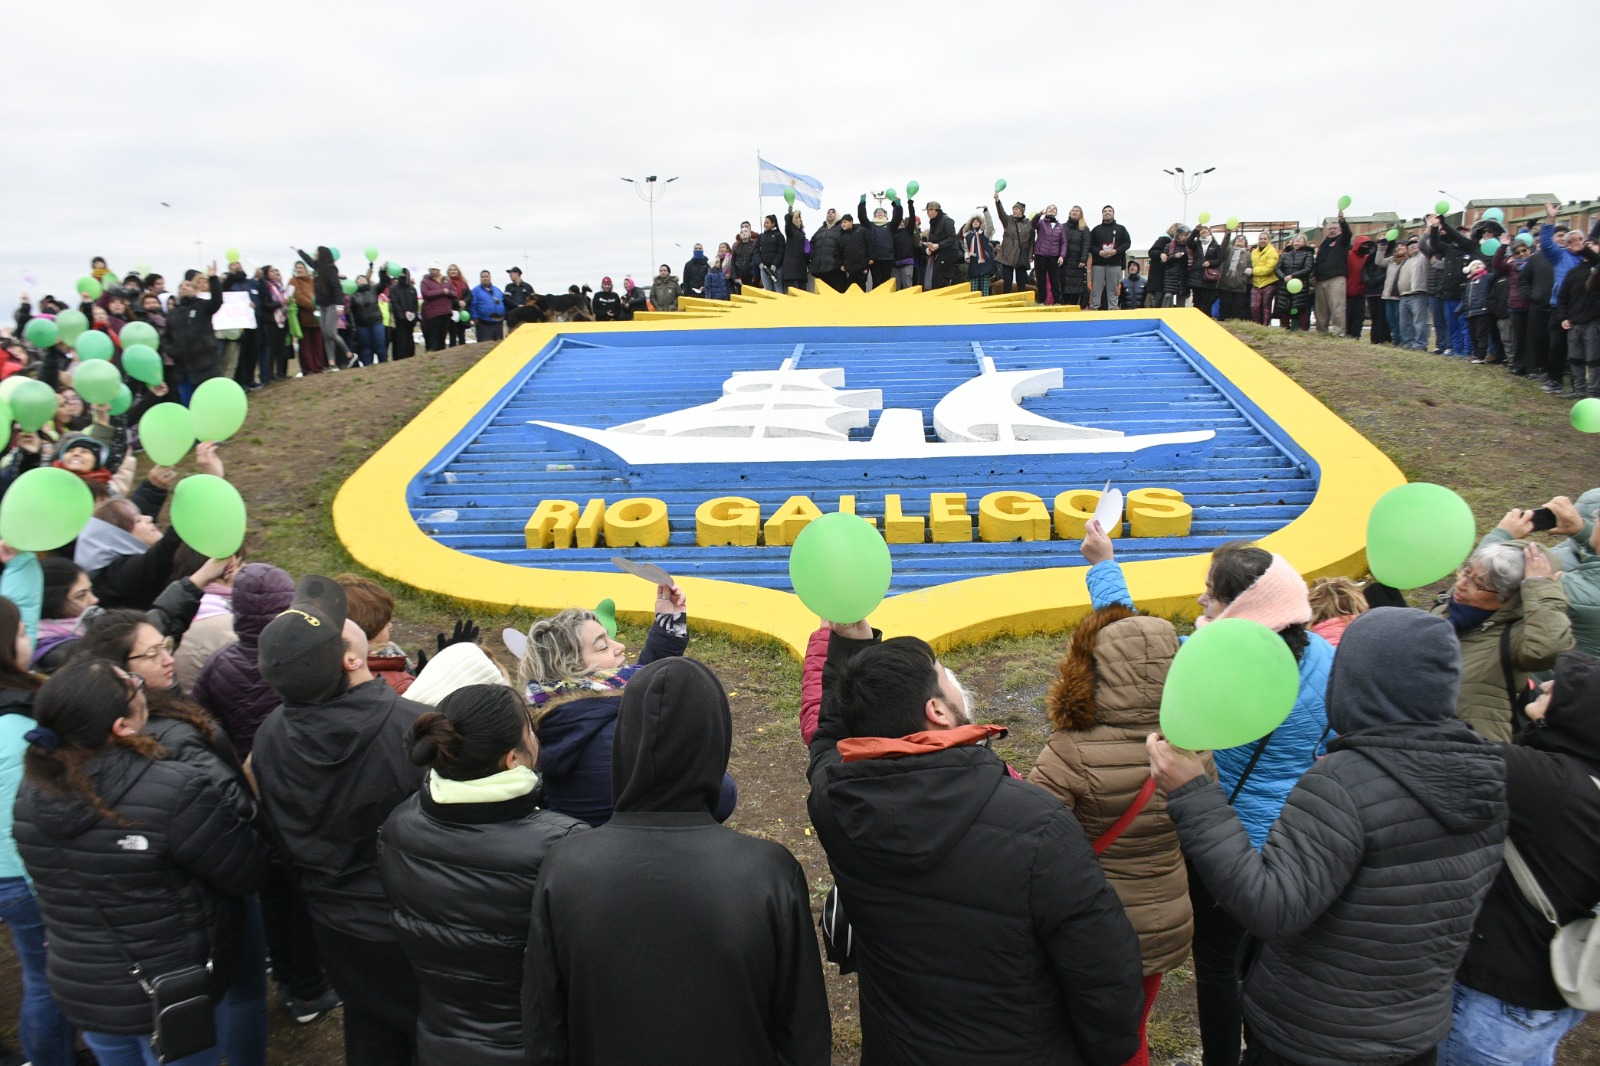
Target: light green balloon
1230, 684
123, 401
94, 344
44, 509
912, 188
1295, 285
10, 385
840, 567
33, 403
41, 332
348, 285
143, 364
88, 287
217, 409
139, 333
1344, 202
1417, 534
1392, 235
166, 433
1442, 207
1204, 217
70, 325
605, 612
209, 515
372, 253
1586, 415
999, 186
97, 381
892, 196
1233, 221
232, 254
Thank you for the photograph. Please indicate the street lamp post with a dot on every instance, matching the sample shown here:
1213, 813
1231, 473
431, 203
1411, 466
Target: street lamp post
1187, 183
524, 244
199, 253
651, 189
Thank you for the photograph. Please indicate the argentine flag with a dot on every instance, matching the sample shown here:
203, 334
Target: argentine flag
775, 179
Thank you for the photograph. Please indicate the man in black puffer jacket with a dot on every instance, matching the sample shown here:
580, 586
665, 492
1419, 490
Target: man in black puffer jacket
986, 932
190, 341
825, 257
1331, 273
854, 254
1363, 897
330, 764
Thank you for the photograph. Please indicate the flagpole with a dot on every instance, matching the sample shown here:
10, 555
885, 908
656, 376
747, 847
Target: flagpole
759, 201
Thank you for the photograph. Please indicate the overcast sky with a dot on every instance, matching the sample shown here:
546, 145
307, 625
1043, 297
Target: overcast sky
419, 127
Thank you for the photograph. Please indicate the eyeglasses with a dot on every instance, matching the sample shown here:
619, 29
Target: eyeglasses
138, 686
1465, 574
155, 653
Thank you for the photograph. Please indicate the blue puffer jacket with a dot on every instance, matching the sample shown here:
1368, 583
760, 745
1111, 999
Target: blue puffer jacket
488, 304
1291, 749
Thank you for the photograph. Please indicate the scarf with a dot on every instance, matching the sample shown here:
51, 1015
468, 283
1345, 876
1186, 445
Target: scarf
975, 245
99, 475
1466, 617
496, 788
218, 600
601, 681
1277, 600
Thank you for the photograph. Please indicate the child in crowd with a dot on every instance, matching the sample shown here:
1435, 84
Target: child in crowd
1335, 603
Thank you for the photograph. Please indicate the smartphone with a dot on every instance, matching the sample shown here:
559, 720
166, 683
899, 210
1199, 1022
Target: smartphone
1543, 519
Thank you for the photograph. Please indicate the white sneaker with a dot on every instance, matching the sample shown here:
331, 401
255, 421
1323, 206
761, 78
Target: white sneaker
333, 369
300, 375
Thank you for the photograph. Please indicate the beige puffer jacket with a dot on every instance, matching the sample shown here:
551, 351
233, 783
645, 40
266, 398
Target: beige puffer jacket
1096, 762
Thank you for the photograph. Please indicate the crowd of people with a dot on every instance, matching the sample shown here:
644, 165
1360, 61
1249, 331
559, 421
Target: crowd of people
218, 779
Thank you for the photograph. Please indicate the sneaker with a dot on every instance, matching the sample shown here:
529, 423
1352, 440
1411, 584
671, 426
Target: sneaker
1478, 361
334, 368
1440, 351
300, 375
1573, 393
306, 1011
1449, 352
1552, 387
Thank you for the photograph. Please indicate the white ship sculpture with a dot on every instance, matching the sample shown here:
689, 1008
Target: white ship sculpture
790, 416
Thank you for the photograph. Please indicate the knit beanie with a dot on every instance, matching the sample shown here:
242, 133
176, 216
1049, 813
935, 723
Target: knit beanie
457, 666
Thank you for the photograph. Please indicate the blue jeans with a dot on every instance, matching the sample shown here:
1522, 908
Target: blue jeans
371, 344
1414, 321
1391, 311
242, 1014
1456, 329
135, 1051
772, 278
1486, 1031
46, 1037
1441, 330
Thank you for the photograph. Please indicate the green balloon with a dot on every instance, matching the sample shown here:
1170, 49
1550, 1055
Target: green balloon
5, 420
605, 612
41, 332
97, 381
788, 195
1522, 238
1392, 235
1204, 217
892, 196
88, 287
33, 403
1494, 214
393, 269
1417, 534
1586, 415
124, 400
1230, 684
232, 254
335, 253
840, 567
1294, 285
466, 316
138, 333
142, 364
1442, 207
217, 409
70, 325
1000, 185
1233, 221
1344, 202
348, 285
44, 509
166, 433
94, 344
912, 187
372, 253
209, 515
1489, 246
9, 385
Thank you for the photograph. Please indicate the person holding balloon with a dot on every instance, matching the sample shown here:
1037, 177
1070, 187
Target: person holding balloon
1105, 699
1244, 582
1295, 265
1363, 897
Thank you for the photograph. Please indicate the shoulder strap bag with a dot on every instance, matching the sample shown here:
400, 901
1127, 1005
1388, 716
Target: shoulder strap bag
1575, 947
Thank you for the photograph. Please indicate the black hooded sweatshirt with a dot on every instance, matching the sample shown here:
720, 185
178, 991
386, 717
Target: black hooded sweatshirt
662, 936
1363, 896
1551, 788
985, 929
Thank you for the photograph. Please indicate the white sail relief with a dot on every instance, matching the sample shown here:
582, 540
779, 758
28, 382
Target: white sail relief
805, 416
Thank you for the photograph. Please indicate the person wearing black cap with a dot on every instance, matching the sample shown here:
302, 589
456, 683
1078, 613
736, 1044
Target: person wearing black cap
662, 936
1363, 896
517, 291
331, 763
1508, 1007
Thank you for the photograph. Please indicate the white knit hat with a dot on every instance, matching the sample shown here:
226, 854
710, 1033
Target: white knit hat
457, 666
